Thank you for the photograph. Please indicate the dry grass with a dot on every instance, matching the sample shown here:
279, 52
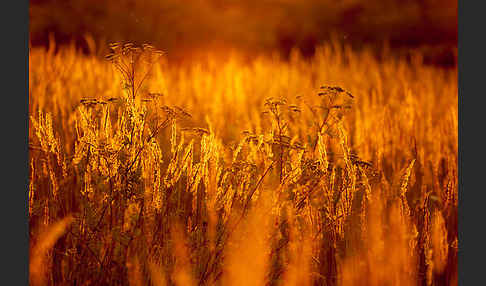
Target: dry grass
338, 170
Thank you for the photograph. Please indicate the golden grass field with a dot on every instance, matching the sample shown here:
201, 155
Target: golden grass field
227, 169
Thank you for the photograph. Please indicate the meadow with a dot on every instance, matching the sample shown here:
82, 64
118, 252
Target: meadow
229, 169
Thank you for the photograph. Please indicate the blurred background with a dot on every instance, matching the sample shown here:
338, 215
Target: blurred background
189, 27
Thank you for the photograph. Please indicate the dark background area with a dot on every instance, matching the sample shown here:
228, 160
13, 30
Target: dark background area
185, 27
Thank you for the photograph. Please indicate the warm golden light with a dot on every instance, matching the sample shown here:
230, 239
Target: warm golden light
201, 176
270, 143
